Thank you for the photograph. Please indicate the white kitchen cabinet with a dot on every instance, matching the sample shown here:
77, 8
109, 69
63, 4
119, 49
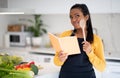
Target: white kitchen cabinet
112, 70
46, 61
40, 58
98, 74
50, 75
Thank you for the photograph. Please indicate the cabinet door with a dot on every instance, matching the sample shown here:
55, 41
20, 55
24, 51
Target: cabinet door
111, 75
38, 58
112, 71
98, 74
50, 75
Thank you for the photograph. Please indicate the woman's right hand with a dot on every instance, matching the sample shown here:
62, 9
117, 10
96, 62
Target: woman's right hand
62, 56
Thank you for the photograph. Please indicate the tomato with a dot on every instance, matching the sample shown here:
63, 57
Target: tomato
18, 66
22, 66
31, 63
26, 66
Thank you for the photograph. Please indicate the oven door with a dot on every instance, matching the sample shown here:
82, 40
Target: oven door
17, 39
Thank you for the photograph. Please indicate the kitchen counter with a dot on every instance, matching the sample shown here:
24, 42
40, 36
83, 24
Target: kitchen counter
41, 56
50, 51
44, 57
112, 56
30, 49
114, 59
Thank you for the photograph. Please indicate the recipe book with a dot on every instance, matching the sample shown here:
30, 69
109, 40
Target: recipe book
67, 44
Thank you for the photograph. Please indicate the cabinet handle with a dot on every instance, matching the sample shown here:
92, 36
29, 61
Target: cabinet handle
47, 59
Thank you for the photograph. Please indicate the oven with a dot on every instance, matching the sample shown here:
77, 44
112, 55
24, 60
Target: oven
17, 38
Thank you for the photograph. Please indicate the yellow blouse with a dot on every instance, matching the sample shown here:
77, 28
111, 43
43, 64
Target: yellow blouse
96, 56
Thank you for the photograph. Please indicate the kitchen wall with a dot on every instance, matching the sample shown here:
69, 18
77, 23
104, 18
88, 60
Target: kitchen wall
3, 3
3, 24
105, 18
107, 26
63, 6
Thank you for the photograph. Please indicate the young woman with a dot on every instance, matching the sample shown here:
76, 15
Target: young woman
92, 52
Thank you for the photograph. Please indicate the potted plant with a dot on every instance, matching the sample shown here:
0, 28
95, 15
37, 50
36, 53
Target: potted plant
37, 29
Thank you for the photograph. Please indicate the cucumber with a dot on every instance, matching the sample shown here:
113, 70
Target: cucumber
34, 68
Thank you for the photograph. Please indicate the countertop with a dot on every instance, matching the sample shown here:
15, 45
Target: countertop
49, 67
36, 54
50, 51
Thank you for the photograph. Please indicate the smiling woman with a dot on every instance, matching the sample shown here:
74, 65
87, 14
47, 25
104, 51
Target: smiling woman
91, 47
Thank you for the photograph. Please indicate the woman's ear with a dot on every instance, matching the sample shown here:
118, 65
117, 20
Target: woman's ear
87, 17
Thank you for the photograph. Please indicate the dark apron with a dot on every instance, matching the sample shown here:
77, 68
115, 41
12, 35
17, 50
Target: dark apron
77, 66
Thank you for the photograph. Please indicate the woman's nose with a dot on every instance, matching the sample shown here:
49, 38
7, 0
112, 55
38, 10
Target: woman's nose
74, 19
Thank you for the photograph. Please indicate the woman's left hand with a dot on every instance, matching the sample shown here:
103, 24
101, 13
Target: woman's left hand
86, 47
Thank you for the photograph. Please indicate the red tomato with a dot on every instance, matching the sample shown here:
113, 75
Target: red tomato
16, 67
32, 63
26, 65
22, 66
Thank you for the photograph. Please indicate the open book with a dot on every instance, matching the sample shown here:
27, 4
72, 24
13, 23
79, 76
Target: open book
66, 44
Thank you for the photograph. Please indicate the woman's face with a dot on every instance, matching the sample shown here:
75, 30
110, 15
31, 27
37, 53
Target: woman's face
76, 15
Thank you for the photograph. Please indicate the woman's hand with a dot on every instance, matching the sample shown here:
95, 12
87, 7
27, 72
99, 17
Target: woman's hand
87, 47
62, 56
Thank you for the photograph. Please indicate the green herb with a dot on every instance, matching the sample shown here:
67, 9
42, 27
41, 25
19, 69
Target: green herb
7, 73
7, 64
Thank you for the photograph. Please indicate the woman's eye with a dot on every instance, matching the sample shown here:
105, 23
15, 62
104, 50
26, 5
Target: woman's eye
75, 16
78, 15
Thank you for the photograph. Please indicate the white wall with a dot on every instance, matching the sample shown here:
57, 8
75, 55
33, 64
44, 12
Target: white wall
3, 28
3, 3
105, 17
63, 6
57, 22
107, 26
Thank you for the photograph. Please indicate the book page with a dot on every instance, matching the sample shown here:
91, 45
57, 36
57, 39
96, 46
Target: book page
55, 42
70, 45
66, 44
